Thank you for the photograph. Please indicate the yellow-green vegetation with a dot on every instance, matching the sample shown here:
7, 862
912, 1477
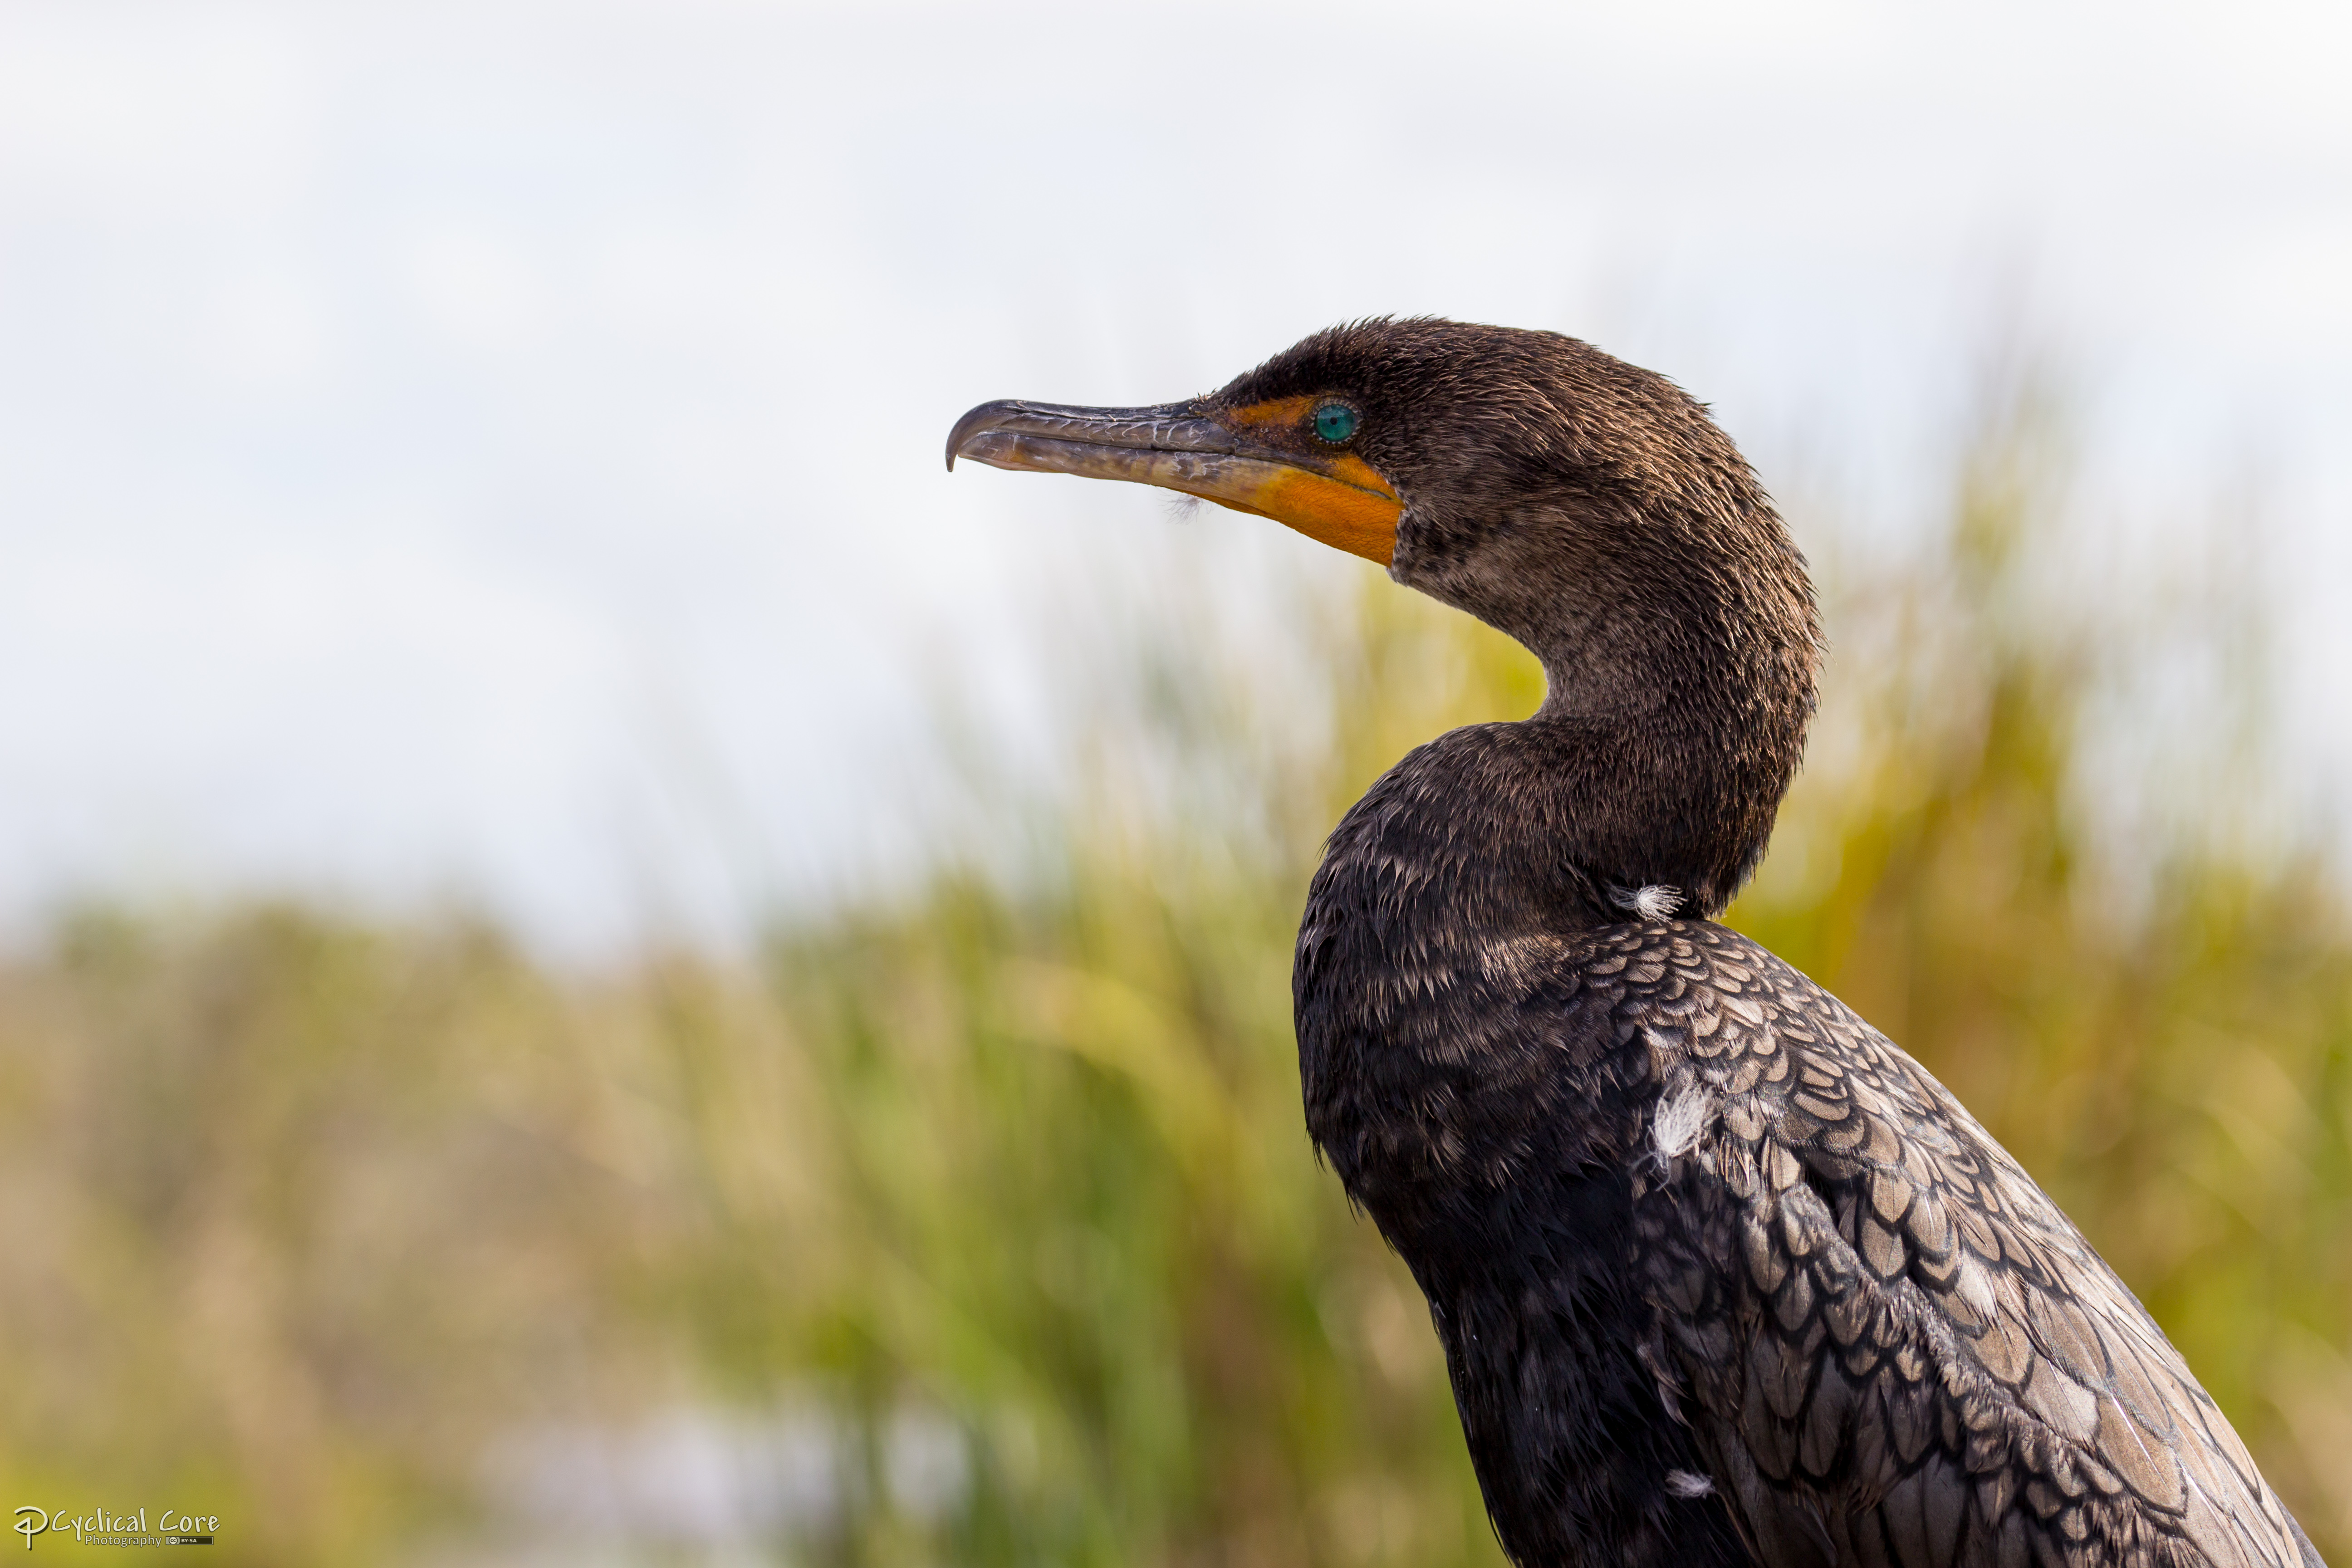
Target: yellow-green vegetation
310, 1225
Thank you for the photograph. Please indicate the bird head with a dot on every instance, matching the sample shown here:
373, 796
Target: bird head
1584, 507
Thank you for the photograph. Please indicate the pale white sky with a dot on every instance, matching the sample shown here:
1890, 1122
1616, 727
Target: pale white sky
492, 450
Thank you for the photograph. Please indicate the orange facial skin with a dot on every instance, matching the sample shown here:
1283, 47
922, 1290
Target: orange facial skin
1352, 508
1343, 501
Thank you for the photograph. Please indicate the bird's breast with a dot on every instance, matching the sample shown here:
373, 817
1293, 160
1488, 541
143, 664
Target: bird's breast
1445, 1052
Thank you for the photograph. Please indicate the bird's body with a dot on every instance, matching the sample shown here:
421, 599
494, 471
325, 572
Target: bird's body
1722, 1276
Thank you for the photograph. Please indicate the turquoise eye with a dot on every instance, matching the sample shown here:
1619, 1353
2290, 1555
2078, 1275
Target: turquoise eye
1335, 422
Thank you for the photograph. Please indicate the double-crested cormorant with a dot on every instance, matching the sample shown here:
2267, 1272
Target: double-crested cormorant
1723, 1276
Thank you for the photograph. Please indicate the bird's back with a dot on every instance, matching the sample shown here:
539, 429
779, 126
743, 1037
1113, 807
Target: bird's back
1892, 1346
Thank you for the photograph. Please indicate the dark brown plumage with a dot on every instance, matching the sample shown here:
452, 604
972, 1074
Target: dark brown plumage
1722, 1276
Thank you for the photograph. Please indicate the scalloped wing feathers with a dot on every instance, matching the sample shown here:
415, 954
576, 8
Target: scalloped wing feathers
1893, 1348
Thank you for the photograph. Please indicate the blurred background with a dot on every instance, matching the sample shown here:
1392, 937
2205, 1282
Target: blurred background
599, 962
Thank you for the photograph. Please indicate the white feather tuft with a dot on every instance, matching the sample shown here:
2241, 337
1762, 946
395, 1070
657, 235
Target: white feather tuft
1656, 901
1683, 1484
1677, 1125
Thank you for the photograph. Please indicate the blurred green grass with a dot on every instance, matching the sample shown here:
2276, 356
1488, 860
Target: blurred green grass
308, 1219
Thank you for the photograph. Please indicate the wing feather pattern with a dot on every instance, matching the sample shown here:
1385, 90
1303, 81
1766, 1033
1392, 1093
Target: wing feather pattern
1894, 1349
